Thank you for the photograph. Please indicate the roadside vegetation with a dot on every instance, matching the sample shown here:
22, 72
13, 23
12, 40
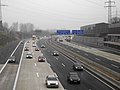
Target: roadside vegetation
7, 37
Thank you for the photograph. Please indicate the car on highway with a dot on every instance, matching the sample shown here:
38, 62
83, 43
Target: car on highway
77, 66
41, 59
42, 46
36, 49
33, 45
29, 55
22, 42
73, 77
12, 59
55, 53
52, 81
26, 49
28, 41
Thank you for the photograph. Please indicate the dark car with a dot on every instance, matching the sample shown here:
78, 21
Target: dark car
73, 77
26, 49
12, 59
55, 53
77, 66
36, 49
41, 59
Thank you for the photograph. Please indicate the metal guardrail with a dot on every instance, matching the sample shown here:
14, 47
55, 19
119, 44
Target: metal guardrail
108, 74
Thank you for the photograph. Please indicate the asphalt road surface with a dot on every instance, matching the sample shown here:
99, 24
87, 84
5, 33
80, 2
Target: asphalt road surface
111, 64
7, 77
32, 73
62, 66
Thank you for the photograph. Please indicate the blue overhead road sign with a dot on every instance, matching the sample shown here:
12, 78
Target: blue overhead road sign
63, 32
78, 32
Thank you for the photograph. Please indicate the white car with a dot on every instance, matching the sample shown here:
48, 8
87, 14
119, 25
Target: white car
12, 59
55, 53
29, 55
34, 45
52, 81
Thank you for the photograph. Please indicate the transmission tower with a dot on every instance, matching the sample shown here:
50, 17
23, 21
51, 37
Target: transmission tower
1, 15
109, 6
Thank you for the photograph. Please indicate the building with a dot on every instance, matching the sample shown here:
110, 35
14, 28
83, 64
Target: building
113, 37
95, 30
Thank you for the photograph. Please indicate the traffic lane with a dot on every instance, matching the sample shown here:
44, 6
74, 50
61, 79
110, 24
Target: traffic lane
18, 53
27, 79
7, 77
33, 71
42, 70
62, 73
101, 60
6, 51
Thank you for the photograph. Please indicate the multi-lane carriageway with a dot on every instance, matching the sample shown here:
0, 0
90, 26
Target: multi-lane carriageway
29, 74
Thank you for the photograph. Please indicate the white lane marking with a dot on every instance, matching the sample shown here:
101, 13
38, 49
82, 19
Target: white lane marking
98, 59
114, 65
99, 79
8, 59
63, 65
86, 54
37, 74
56, 58
18, 71
35, 64
49, 65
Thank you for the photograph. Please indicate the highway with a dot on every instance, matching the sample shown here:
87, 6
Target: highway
32, 73
62, 66
29, 74
111, 64
7, 76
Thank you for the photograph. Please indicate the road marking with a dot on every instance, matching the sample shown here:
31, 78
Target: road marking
49, 65
18, 71
56, 58
63, 65
98, 59
37, 74
86, 54
8, 59
35, 64
114, 65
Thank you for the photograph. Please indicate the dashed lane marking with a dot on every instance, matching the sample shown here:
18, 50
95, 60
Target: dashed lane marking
114, 65
63, 65
35, 64
98, 59
37, 74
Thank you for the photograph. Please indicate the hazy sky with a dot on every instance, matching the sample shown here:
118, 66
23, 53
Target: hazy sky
56, 14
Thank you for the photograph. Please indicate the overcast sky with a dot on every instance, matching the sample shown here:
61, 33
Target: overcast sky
56, 14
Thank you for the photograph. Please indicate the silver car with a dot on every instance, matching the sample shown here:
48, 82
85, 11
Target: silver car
29, 55
52, 81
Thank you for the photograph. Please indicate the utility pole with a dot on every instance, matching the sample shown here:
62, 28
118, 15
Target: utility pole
1, 27
109, 6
